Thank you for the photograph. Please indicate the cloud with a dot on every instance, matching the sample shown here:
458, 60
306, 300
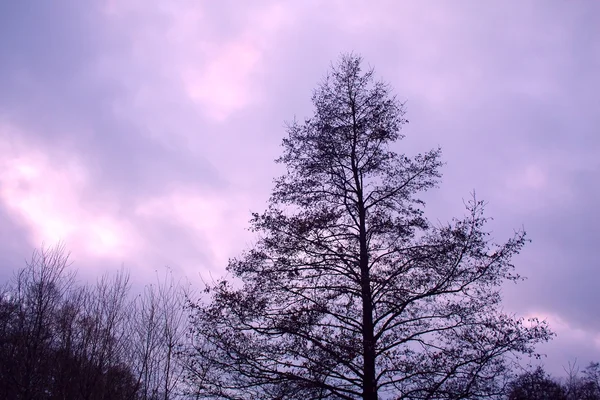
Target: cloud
218, 70
571, 346
217, 223
48, 195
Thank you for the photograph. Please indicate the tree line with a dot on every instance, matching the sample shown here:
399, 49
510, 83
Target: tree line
349, 292
536, 384
63, 340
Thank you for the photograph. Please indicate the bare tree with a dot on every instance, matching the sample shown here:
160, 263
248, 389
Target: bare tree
172, 296
584, 386
158, 328
61, 340
35, 298
102, 331
350, 292
144, 329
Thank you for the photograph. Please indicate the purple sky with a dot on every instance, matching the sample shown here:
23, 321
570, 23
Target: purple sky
143, 132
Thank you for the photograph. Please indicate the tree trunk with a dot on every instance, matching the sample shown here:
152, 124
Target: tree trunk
369, 383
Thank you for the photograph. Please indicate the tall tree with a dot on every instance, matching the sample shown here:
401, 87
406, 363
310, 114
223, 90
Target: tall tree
350, 292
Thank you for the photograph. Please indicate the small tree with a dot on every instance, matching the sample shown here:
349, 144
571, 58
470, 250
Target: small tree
586, 387
350, 292
536, 385
591, 381
157, 331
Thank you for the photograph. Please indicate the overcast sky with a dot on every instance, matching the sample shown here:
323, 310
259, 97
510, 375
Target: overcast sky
143, 132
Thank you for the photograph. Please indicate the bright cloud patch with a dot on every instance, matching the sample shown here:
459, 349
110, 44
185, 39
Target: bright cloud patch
223, 85
222, 78
47, 195
220, 73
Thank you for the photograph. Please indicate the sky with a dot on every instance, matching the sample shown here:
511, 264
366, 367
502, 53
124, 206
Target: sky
143, 133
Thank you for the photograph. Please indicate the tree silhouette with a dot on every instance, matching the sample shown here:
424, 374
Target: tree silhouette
59, 340
350, 291
585, 386
536, 385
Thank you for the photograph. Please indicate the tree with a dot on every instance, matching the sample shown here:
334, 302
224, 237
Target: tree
586, 387
59, 340
536, 385
102, 329
31, 303
157, 329
591, 382
350, 291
